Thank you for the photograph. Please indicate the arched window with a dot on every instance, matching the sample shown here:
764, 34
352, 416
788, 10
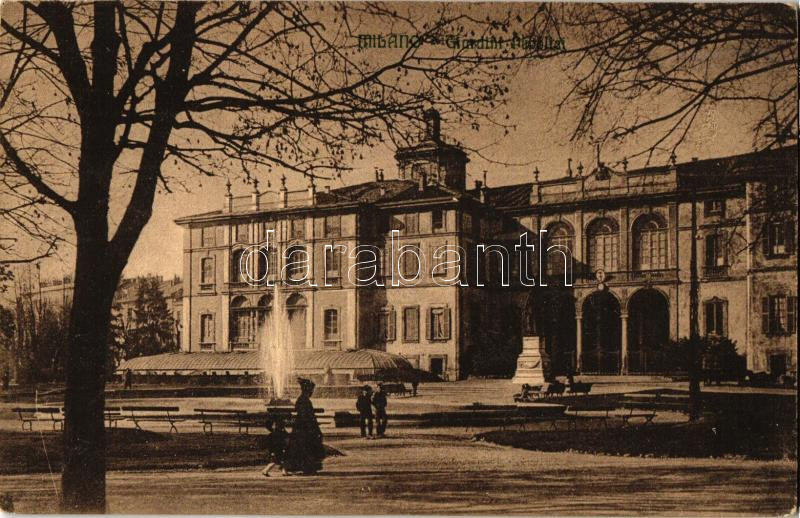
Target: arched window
603, 245
559, 235
262, 308
650, 243
242, 324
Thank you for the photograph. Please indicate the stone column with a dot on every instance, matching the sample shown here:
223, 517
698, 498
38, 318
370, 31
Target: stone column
624, 325
578, 342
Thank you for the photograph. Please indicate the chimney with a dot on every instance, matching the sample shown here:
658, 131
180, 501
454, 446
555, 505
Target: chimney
569, 168
228, 197
377, 175
421, 181
255, 196
283, 196
432, 125
327, 189
312, 191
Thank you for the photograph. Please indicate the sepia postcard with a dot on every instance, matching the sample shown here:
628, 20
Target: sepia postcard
398, 258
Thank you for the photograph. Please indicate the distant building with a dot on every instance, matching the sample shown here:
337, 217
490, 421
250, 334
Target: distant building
58, 292
627, 290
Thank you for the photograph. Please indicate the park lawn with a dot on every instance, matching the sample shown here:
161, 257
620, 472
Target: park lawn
131, 449
660, 440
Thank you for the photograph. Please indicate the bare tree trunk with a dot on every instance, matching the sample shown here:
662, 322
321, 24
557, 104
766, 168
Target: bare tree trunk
694, 325
96, 277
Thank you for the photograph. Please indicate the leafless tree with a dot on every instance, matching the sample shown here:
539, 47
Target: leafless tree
105, 104
647, 74
653, 71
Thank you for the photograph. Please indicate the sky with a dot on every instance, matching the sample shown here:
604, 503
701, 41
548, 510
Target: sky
541, 140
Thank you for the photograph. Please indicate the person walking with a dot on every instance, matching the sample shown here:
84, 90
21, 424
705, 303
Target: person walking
128, 379
379, 402
276, 444
305, 451
364, 407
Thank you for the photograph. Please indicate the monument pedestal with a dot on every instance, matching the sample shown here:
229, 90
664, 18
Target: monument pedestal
533, 364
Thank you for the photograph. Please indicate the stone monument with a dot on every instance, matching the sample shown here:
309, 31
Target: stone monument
533, 364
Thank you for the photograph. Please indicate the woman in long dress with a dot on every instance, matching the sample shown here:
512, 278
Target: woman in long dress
305, 451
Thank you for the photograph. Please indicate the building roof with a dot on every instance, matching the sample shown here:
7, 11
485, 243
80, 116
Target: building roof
696, 173
363, 360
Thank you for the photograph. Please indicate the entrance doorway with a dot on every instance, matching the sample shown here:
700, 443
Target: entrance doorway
437, 366
648, 331
601, 334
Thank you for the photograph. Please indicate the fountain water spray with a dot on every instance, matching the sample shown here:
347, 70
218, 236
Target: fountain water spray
277, 356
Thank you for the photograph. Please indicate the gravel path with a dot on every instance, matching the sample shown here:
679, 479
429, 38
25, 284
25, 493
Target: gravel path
442, 472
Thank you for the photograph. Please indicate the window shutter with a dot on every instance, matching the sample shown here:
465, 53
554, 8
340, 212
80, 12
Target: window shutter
391, 321
446, 317
791, 315
765, 240
428, 324
724, 318
724, 247
765, 315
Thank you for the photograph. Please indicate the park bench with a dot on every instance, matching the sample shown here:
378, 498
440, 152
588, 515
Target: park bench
163, 414
29, 415
592, 410
209, 417
395, 388
579, 388
648, 414
554, 389
113, 415
325, 419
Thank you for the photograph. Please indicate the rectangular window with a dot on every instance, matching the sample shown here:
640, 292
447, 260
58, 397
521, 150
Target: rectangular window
411, 324
440, 323
207, 329
411, 223
297, 228
437, 220
333, 261
778, 238
240, 233
714, 208
779, 315
715, 318
386, 325
207, 272
333, 226
715, 250
331, 324
265, 227
410, 260
208, 236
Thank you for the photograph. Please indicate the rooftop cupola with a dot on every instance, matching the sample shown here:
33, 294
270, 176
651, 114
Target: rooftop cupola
433, 159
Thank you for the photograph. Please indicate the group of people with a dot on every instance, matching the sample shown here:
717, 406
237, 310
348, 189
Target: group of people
364, 404
300, 452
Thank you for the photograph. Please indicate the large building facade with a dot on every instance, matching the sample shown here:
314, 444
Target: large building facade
611, 264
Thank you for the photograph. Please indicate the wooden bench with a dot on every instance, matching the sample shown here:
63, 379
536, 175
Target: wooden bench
154, 414
325, 419
395, 388
210, 416
113, 415
600, 411
29, 415
647, 414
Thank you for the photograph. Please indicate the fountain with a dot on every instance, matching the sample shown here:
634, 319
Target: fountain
277, 356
